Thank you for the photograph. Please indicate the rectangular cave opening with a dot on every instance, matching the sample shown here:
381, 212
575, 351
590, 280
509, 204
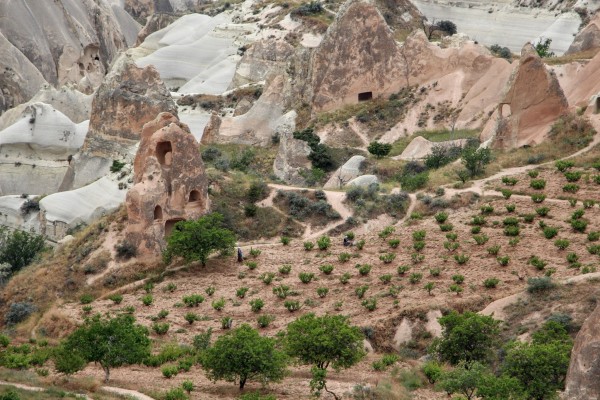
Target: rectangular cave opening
365, 96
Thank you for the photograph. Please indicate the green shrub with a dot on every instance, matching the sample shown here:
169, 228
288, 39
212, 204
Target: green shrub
511, 230
487, 209
415, 277
370, 304
435, 271
361, 290
345, 278
550, 232
579, 225
478, 220
458, 278
528, 217
429, 286
387, 231
491, 283
432, 370
255, 252
403, 269
252, 265
537, 262
292, 305
452, 236
563, 165
86, 298
461, 258
363, 269
322, 291
509, 181
147, 300
493, 250
226, 322
593, 236
511, 208
419, 245
394, 243
538, 197
360, 244
116, 298
386, 278
441, 217
171, 287
188, 386
573, 176
160, 328
533, 173
323, 242
285, 269
218, 305
191, 317
541, 284
308, 246
193, 300
572, 258
387, 258
455, 288
537, 184
285, 240
267, 277
561, 243
326, 269
542, 211
571, 188
344, 257
481, 239
503, 261
162, 314
256, 305
446, 227
264, 321
306, 277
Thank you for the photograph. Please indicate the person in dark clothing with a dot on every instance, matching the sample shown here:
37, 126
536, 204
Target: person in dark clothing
240, 255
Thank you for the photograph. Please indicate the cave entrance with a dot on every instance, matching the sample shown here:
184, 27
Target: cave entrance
365, 96
158, 213
597, 110
194, 201
170, 224
164, 153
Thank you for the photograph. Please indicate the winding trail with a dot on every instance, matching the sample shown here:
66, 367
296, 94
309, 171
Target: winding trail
110, 389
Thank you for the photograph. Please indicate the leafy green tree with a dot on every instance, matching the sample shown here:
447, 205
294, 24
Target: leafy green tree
540, 366
196, 240
110, 342
322, 342
447, 26
543, 48
466, 337
475, 159
243, 355
474, 379
67, 361
379, 150
19, 248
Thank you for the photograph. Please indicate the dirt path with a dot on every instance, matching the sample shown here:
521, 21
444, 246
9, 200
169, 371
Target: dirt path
126, 392
41, 389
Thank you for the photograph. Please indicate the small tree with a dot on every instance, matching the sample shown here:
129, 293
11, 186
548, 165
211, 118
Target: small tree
321, 342
196, 240
543, 47
447, 26
19, 248
243, 355
466, 337
379, 150
110, 342
475, 159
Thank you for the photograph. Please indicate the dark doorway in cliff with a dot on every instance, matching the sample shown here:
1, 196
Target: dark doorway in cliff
597, 110
194, 201
164, 153
158, 214
170, 224
365, 96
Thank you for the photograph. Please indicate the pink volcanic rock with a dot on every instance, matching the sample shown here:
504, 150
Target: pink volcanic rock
169, 183
582, 382
533, 101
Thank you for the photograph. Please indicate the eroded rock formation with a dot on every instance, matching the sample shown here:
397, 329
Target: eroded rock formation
292, 160
261, 59
582, 381
169, 183
533, 101
357, 60
588, 38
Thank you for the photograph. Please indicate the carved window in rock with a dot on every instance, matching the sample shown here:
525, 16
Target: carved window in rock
365, 96
170, 225
164, 153
597, 110
194, 201
158, 213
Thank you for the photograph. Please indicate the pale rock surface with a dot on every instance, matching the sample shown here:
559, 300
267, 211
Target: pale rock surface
12, 217
344, 174
420, 148
154, 23
64, 210
588, 38
261, 59
68, 40
532, 102
581, 85
403, 333
169, 183
128, 98
364, 181
20, 79
36, 150
582, 381
292, 158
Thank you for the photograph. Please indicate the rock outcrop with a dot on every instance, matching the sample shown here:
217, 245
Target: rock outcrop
364, 181
358, 59
169, 183
68, 41
532, 102
582, 381
128, 98
292, 160
346, 173
265, 57
155, 23
588, 38
420, 148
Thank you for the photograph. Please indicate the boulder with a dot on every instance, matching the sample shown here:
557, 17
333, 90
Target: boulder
532, 102
291, 160
364, 181
169, 183
588, 38
346, 173
420, 148
346, 68
582, 381
154, 23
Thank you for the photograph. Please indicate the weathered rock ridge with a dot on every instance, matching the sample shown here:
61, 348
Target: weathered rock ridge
532, 102
582, 381
169, 183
